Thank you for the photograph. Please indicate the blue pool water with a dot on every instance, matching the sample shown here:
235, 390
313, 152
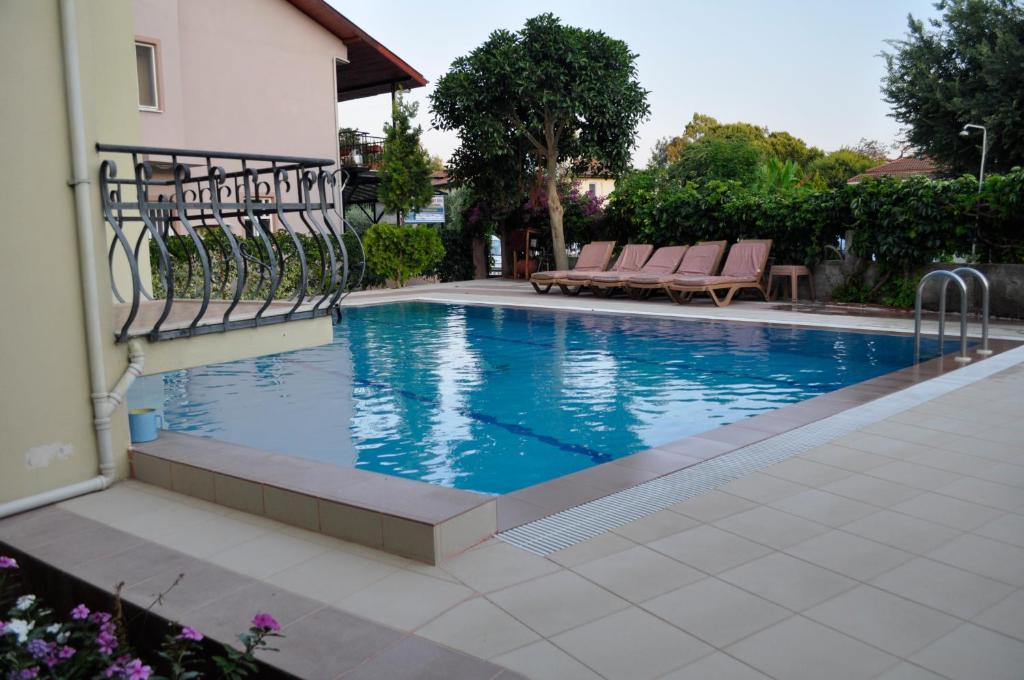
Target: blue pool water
494, 399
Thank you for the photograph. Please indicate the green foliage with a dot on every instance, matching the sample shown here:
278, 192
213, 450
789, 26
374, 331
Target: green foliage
398, 252
836, 168
964, 67
405, 166
457, 236
777, 176
721, 157
540, 97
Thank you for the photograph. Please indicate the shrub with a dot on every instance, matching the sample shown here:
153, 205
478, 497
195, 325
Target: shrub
400, 252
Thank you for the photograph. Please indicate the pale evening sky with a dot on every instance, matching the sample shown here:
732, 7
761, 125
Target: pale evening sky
805, 66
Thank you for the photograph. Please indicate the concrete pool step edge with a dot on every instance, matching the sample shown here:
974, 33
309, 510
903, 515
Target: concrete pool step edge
412, 519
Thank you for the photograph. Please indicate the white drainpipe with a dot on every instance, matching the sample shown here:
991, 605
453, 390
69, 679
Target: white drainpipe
104, 402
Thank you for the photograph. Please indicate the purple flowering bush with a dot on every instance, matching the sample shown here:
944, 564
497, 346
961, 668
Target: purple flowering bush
36, 643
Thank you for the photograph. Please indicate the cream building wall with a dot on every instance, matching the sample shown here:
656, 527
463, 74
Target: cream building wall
603, 186
45, 409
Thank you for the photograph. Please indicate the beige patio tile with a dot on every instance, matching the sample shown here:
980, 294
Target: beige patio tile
330, 576
1004, 473
908, 671
822, 506
266, 554
655, 526
712, 506
208, 537
913, 475
762, 488
787, 581
800, 649
902, 531
994, 559
892, 623
541, 660
971, 653
497, 565
999, 452
592, 549
771, 527
717, 666
943, 587
807, 472
638, 574
952, 512
871, 490
953, 462
480, 628
985, 492
709, 548
716, 612
404, 599
631, 645
1007, 616
846, 457
849, 554
556, 602
1008, 528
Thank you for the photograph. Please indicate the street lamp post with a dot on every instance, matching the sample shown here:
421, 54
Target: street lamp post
966, 132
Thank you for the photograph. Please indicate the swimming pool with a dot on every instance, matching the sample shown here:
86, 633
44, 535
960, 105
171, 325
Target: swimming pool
494, 399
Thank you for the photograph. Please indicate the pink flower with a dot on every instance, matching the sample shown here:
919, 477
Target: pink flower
80, 613
66, 652
100, 617
8, 562
265, 622
135, 670
106, 642
188, 633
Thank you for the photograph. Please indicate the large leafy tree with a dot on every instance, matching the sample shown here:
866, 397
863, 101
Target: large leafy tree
405, 166
544, 96
964, 67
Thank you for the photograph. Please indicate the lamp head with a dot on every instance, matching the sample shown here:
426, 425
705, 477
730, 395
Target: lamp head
965, 133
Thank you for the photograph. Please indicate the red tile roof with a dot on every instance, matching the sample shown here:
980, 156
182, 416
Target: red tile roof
908, 166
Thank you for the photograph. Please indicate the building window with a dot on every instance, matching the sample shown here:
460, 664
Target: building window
593, 189
145, 64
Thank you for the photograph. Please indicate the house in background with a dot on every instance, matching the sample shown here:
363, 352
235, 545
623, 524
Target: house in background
138, 123
595, 179
909, 166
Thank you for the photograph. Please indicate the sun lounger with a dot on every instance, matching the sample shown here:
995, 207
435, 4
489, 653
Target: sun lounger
593, 257
631, 259
664, 261
699, 260
744, 268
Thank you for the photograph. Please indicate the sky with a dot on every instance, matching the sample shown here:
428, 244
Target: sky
810, 67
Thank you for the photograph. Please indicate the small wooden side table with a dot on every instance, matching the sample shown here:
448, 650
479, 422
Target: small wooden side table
794, 272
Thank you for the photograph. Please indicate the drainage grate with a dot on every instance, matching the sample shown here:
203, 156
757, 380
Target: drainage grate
586, 521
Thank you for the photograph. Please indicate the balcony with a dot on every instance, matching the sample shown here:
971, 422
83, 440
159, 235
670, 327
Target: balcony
360, 149
204, 242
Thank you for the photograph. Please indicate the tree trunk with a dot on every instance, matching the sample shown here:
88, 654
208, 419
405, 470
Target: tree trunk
555, 211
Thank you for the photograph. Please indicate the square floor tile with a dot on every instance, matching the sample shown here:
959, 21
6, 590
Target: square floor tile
638, 574
718, 666
592, 549
480, 628
846, 458
908, 671
971, 653
912, 474
902, 531
651, 528
543, 661
330, 576
984, 492
1006, 616
716, 612
266, 554
631, 645
952, 512
800, 649
329, 642
709, 549
807, 472
556, 602
417, 659
994, 559
497, 565
787, 581
761, 488
892, 623
849, 554
871, 490
1004, 473
824, 507
712, 506
405, 599
771, 527
943, 587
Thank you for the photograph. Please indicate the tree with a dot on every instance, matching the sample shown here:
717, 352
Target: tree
436, 163
834, 169
543, 96
873, 149
964, 67
405, 166
735, 157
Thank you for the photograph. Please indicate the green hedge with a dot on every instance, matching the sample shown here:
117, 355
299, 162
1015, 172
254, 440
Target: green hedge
399, 252
903, 224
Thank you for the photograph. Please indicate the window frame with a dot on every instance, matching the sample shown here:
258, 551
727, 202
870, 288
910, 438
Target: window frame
154, 48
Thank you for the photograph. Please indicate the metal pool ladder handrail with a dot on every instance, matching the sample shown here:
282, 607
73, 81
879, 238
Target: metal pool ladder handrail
949, 276
983, 282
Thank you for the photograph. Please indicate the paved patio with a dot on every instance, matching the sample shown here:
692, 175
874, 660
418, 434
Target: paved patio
895, 552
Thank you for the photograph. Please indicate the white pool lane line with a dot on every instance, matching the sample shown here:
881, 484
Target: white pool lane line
583, 522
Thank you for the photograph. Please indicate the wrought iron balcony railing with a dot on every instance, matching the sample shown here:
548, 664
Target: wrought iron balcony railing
205, 241
360, 149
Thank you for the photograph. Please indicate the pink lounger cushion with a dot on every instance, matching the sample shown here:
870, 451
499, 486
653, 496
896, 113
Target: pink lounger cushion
649, 279
554, 274
711, 280
631, 259
700, 260
592, 257
743, 265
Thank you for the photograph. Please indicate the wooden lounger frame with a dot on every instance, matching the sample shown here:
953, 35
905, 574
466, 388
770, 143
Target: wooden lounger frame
551, 282
641, 291
682, 294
